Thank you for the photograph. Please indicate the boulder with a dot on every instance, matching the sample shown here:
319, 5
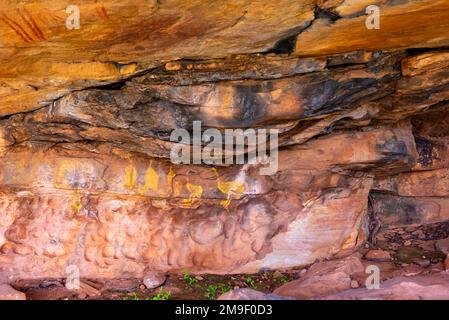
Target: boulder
378, 255
433, 287
9, 293
153, 279
250, 294
323, 278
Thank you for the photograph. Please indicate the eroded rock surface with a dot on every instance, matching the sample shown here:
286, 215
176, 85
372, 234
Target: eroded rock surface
323, 278
9, 293
250, 294
85, 173
401, 288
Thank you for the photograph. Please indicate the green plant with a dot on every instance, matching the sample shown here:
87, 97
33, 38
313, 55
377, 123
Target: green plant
162, 295
212, 290
224, 288
189, 280
132, 296
283, 279
250, 282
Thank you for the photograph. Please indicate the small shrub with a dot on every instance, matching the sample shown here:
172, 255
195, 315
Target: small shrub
189, 280
250, 282
213, 290
162, 295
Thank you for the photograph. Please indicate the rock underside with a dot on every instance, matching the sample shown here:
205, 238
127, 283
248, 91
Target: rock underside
86, 116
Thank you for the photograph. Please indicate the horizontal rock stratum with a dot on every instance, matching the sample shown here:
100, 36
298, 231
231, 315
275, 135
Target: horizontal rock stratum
86, 178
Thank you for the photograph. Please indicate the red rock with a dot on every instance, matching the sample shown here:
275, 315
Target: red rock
9, 293
431, 287
395, 210
120, 284
354, 284
88, 289
87, 114
250, 294
54, 292
315, 286
153, 279
112, 198
323, 278
412, 270
443, 245
378, 255
324, 37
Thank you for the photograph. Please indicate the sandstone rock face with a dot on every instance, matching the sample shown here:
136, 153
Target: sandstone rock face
401, 26
378, 255
401, 288
121, 221
86, 179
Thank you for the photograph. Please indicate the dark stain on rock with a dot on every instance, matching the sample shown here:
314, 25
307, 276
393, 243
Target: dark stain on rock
424, 148
394, 210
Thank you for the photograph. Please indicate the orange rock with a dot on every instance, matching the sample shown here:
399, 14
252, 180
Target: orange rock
378, 255
401, 26
40, 47
86, 117
323, 278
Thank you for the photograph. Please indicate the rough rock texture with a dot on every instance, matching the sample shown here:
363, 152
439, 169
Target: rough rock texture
378, 255
250, 294
9, 293
86, 116
401, 288
153, 280
323, 278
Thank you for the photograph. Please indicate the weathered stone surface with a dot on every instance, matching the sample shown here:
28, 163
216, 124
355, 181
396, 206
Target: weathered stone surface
443, 245
424, 183
108, 233
250, 294
397, 211
433, 287
153, 280
424, 62
401, 26
9, 293
190, 29
323, 278
86, 118
378, 255
272, 221
114, 35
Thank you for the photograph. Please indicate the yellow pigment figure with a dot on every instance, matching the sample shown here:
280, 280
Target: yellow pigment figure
151, 180
229, 188
77, 205
130, 176
195, 191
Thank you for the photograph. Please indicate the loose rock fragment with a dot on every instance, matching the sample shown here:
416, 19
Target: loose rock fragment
153, 279
9, 293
